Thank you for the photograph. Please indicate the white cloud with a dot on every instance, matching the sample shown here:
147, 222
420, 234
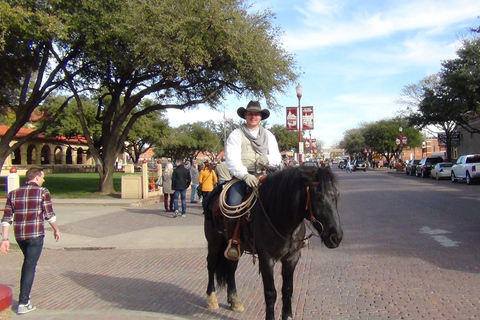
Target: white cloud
359, 23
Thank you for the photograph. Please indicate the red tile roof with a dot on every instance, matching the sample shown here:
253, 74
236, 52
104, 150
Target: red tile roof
23, 132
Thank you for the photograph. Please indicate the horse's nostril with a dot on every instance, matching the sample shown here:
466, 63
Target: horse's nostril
334, 239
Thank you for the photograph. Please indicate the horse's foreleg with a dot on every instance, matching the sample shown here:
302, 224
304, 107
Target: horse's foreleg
212, 303
288, 269
212, 260
269, 292
235, 303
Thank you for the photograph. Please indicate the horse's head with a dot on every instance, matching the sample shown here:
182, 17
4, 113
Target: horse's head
321, 206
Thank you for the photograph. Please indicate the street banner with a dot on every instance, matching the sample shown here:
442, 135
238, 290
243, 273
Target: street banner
292, 118
307, 118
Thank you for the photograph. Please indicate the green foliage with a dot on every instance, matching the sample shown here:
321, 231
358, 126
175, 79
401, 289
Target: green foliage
287, 140
178, 53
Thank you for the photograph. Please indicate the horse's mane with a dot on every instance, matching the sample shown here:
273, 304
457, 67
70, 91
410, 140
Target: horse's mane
284, 187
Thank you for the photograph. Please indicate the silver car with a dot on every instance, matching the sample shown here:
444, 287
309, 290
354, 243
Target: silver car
442, 170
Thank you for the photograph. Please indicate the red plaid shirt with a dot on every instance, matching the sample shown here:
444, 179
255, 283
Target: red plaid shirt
27, 208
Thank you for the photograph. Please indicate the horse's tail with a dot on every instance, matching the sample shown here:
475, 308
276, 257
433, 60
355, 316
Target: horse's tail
221, 270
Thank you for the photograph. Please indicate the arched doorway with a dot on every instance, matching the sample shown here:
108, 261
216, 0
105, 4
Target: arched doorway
79, 156
31, 154
17, 156
46, 152
68, 157
58, 155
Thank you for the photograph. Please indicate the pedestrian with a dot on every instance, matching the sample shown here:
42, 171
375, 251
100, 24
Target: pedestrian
348, 167
248, 151
27, 208
223, 174
180, 182
194, 174
208, 179
167, 187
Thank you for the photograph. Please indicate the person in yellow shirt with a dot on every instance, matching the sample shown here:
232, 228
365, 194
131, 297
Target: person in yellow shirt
208, 179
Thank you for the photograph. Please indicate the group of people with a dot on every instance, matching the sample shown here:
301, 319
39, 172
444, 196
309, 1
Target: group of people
175, 183
248, 151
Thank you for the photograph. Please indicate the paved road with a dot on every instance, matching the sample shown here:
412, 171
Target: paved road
410, 251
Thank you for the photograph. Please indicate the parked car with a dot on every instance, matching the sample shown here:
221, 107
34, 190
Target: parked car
310, 164
359, 165
411, 167
425, 166
466, 168
442, 170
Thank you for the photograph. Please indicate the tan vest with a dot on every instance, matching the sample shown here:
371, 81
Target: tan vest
249, 156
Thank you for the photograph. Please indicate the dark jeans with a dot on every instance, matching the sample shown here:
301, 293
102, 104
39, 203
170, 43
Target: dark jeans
183, 195
168, 202
32, 249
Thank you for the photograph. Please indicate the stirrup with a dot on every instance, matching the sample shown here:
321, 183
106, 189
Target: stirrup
232, 252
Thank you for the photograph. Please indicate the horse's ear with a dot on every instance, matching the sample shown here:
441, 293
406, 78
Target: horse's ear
309, 175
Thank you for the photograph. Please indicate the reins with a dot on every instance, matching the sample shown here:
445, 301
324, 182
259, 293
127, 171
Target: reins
243, 208
308, 205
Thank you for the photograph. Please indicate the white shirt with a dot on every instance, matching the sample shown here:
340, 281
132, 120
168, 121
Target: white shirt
233, 152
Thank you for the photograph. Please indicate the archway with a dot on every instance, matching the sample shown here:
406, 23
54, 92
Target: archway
31, 154
79, 156
68, 157
17, 156
58, 155
46, 153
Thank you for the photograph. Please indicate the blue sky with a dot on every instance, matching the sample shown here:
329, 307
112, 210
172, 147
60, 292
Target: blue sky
356, 56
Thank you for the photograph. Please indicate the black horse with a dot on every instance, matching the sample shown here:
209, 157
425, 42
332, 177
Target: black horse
276, 232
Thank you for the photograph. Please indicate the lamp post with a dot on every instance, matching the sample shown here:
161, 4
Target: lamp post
299, 90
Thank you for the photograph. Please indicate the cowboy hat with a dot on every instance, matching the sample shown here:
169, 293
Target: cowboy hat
253, 106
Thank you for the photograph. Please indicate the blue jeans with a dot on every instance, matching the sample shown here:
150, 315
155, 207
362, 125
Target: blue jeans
193, 194
32, 249
236, 193
183, 194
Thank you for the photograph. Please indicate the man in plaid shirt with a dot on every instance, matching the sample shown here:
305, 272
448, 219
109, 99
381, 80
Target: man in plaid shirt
27, 208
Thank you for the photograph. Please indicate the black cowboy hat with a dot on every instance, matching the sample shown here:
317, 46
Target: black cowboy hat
255, 107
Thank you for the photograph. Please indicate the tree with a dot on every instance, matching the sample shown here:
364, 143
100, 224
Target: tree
145, 133
436, 108
380, 137
31, 66
287, 140
461, 77
188, 140
353, 141
180, 53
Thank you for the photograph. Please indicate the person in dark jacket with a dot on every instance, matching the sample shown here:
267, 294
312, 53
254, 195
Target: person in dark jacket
180, 182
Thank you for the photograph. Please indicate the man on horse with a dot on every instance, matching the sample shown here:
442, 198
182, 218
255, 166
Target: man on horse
248, 151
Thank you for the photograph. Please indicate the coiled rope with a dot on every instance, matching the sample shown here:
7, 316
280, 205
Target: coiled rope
238, 210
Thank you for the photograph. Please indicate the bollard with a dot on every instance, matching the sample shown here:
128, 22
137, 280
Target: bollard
5, 302
13, 180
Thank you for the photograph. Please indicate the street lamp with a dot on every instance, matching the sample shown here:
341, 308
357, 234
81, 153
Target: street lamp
299, 90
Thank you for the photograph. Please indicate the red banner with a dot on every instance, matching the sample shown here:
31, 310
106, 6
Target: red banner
307, 118
292, 118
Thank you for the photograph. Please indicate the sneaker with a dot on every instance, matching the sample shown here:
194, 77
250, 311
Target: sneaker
183, 215
25, 308
175, 214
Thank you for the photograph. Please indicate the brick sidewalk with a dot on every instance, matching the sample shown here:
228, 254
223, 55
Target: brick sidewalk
356, 281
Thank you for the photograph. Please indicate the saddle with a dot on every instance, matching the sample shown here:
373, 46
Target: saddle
232, 227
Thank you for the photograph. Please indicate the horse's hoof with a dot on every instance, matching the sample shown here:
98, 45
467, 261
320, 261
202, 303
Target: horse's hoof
212, 303
236, 305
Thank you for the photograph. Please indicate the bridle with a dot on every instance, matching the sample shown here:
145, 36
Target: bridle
308, 206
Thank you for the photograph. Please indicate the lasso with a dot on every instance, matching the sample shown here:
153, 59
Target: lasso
238, 210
